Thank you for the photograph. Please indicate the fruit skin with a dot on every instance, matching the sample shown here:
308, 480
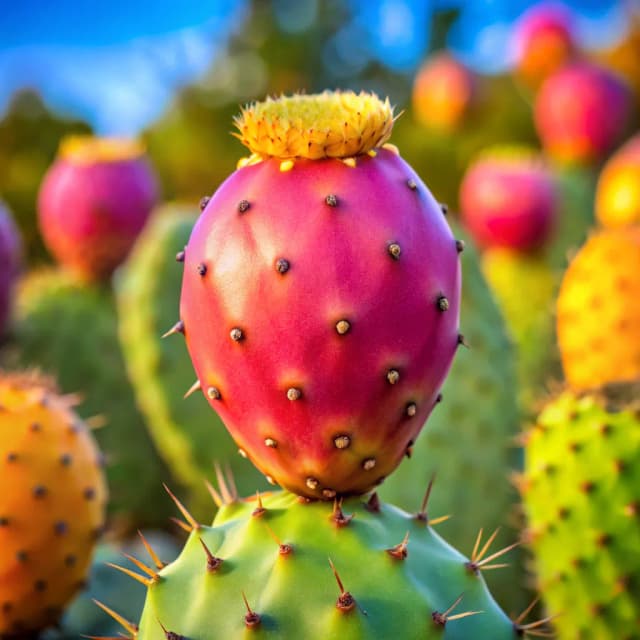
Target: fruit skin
469, 439
444, 91
52, 503
544, 40
295, 593
269, 343
508, 199
9, 263
581, 492
92, 206
599, 310
525, 287
581, 112
70, 330
618, 192
189, 436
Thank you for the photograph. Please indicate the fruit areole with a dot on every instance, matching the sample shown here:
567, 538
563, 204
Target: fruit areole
320, 295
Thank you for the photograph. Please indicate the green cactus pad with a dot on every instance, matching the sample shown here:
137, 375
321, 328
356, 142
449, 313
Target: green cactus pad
582, 495
188, 434
277, 554
469, 439
69, 330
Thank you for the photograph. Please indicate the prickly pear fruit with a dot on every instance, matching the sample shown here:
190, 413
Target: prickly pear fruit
70, 330
52, 503
320, 295
544, 40
508, 199
93, 203
189, 436
618, 193
599, 310
581, 492
9, 263
307, 570
469, 439
581, 112
443, 93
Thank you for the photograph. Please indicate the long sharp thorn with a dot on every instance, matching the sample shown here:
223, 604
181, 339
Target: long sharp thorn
232, 482
487, 544
222, 483
453, 606
178, 327
537, 623
527, 611
436, 521
476, 546
143, 567
217, 498
152, 554
196, 386
126, 625
183, 525
335, 573
466, 614
96, 422
132, 574
497, 554
488, 567
119, 637
427, 494
183, 510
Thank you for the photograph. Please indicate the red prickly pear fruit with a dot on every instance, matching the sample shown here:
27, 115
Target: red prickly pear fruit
10, 250
508, 199
544, 40
93, 203
443, 93
320, 295
581, 112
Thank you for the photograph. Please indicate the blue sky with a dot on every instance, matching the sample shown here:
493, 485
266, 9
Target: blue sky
117, 64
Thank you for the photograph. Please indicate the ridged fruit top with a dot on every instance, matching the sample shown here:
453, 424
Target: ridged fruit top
334, 124
618, 192
599, 310
87, 149
508, 199
320, 309
52, 501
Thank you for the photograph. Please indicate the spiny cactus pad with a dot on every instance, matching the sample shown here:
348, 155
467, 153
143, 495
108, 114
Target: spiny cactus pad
52, 503
70, 331
189, 436
320, 309
469, 439
599, 310
582, 495
313, 571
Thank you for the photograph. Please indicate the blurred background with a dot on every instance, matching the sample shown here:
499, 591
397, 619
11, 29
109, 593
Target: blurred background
175, 73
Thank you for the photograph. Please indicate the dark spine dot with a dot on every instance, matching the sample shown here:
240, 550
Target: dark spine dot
180, 256
411, 183
213, 393
66, 459
70, 561
444, 208
459, 246
40, 586
393, 376
442, 303
204, 201
22, 556
439, 398
331, 200
293, 393
236, 334
243, 206
39, 491
282, 265
89, 493
12, 456
394, 250
4, 521
201, 268
35, 427
60, 528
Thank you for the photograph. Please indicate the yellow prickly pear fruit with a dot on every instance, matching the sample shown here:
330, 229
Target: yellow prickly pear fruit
599, 311
52, 503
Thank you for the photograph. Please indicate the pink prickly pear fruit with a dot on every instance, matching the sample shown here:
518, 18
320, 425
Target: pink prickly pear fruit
443, 93
320, 295
544, 40
93, 203
508, 199
10, 250
581, 112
